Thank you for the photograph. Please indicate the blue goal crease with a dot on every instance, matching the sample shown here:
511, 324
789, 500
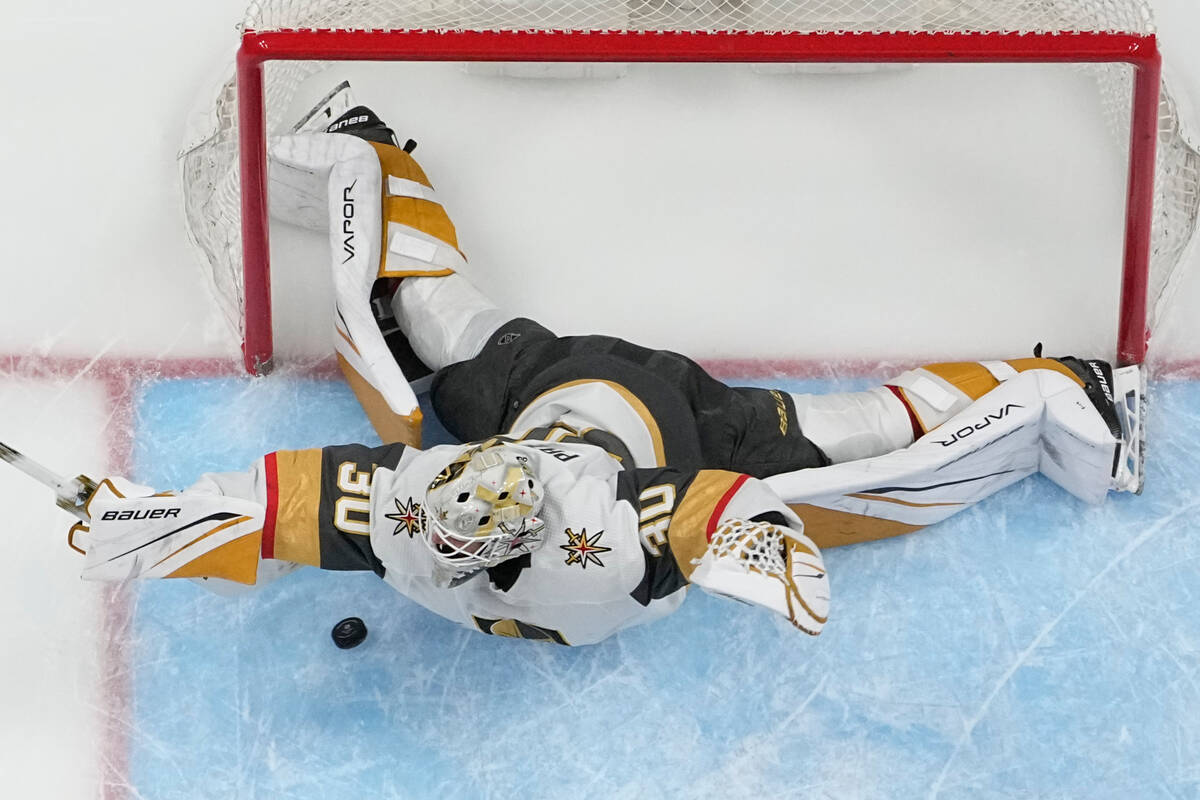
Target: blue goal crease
1031, 646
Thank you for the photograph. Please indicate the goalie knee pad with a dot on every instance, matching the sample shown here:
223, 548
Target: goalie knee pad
446, 320
853, 425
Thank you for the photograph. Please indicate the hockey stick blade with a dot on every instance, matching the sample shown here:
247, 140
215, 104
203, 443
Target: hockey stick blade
70, 493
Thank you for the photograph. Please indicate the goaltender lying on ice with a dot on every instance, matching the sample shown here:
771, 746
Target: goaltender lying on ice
601, 478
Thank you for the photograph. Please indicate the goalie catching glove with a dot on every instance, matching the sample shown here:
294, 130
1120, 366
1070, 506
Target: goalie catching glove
767, 565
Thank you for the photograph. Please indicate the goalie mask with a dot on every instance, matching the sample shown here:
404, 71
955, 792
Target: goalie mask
482, 509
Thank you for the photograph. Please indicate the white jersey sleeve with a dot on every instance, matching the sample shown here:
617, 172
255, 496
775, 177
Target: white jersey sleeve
621, 544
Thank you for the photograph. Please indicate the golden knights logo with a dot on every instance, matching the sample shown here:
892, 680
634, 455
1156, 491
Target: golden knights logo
409, 517
582, 549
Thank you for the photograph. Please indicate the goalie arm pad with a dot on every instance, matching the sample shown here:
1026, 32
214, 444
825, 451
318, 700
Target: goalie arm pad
302, 507
731, 535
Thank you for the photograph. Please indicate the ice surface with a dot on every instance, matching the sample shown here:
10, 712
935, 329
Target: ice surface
1030, 647
52, 651
1033, 646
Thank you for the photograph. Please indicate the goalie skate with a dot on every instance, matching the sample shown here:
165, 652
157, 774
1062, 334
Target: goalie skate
1129, 387
1118, 396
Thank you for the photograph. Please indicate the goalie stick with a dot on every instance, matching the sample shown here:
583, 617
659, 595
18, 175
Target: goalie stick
70, 493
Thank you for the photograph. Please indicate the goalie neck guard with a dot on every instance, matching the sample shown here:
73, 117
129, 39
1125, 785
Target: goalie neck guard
483, 508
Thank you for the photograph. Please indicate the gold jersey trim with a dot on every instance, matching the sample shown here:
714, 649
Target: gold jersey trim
297, 517
688, 532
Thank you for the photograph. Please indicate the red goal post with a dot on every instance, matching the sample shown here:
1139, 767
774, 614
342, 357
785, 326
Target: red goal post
1117, 32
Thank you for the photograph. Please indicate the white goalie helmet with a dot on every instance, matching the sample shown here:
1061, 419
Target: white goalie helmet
482, 508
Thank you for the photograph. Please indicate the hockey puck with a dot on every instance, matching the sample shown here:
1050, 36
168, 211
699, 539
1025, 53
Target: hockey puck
350, 632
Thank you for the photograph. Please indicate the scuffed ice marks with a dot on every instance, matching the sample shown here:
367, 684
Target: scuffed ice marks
1033, 646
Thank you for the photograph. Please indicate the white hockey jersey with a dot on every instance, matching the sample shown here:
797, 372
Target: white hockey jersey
621, 544
579, 587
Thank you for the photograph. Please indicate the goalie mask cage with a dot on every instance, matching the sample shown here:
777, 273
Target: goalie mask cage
1115, 35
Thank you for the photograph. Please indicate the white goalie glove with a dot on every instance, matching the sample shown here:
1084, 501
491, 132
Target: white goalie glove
767, 565
134, 532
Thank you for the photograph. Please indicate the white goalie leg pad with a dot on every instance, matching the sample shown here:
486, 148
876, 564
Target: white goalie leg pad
985, 448
171, 536
1038, 419
343, 174
989, 445
298, 169
363, 354
446, 319
1129, 392
770, 566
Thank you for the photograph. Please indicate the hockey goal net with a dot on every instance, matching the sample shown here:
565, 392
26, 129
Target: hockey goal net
224, 168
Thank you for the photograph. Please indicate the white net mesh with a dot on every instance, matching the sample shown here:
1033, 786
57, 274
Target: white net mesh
755, 546
209, 161
1129, 16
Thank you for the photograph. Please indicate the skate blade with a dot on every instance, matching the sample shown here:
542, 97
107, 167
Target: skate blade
1129, 395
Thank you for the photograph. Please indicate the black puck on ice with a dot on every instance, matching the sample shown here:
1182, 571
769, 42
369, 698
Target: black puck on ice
350, 632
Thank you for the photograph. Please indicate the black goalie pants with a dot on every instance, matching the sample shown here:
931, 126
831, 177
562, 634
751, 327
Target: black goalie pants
704, 423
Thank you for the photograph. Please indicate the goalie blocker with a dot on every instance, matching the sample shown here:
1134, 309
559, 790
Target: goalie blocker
384, 221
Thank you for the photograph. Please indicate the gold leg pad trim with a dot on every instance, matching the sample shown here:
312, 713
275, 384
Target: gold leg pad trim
969, 377
390, 426
830, 528
1023, 364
